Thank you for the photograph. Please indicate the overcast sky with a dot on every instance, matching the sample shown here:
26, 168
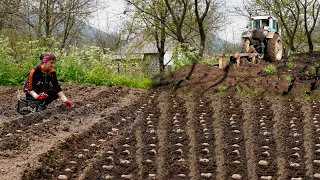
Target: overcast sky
111, 18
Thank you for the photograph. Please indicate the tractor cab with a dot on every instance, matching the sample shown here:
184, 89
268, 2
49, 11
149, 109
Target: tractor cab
267, 23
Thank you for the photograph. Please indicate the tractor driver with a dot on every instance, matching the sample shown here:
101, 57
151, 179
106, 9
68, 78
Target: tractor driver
42, 83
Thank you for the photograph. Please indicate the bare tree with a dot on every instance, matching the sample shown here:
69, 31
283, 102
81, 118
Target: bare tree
8, 9
106, 41
48, 18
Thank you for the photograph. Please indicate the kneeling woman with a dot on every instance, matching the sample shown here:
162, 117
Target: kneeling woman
42, 83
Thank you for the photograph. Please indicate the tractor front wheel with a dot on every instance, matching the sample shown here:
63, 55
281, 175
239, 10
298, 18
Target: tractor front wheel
274, 48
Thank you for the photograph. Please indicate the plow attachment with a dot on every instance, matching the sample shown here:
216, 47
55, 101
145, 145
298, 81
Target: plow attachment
237, 57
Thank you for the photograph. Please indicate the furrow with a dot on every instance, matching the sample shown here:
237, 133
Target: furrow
264, 139
249, 127
178, 141
232, 127
162, 134
289, 133
219, 142
294, 133
315, 133
192, 158
204, 139
148, 146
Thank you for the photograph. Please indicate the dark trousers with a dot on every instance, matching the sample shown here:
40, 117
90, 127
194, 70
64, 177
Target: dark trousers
51, 97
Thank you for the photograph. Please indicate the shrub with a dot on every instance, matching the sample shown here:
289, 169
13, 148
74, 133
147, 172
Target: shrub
184, 56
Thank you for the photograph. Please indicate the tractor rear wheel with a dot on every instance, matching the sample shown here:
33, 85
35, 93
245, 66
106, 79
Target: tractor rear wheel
274, 48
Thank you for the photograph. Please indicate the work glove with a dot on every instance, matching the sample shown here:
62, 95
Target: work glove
69, 103
42, 96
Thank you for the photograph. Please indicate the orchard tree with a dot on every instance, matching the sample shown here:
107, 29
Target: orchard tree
200, 16
311, 10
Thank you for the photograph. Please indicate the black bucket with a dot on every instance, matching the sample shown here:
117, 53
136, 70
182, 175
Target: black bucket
28, 106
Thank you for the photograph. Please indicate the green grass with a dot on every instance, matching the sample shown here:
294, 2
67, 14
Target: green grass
291, 65
244, 92
222, 88
270, 69
304, 93
188, 93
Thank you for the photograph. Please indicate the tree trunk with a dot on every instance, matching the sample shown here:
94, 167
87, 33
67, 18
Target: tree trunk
200, 20
161, 60
291, 44
68, 26
161, 50
202, 41
310, 43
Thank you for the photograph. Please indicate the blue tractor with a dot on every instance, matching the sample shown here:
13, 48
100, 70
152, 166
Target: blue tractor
263, 37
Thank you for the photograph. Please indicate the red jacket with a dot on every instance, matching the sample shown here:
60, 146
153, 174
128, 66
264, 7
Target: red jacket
40, 81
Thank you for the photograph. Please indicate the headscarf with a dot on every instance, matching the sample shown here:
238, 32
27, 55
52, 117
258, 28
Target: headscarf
47, 56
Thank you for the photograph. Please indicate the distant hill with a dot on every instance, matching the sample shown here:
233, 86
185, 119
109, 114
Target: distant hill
219, 45
89, 33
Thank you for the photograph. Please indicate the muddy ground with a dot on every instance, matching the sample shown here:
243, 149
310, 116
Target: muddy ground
237, 123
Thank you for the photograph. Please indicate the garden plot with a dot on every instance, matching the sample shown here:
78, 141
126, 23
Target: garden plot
71, 157
18, 133
121, 157
58, 134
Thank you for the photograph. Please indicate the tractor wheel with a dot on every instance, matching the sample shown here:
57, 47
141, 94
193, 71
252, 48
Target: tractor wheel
245, 45
274, 48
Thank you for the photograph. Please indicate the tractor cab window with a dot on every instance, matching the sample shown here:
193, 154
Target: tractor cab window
256, 24
260, 23
275, 25
265, 22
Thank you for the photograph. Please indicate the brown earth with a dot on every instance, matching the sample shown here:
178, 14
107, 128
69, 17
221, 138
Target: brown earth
238, 123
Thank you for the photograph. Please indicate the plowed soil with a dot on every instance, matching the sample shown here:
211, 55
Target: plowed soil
237, 123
